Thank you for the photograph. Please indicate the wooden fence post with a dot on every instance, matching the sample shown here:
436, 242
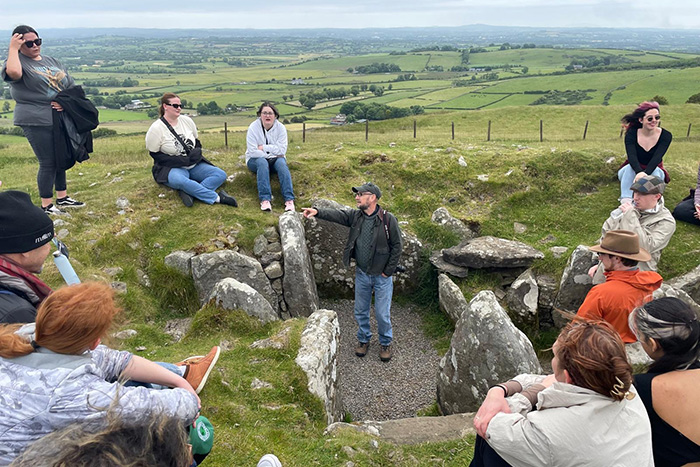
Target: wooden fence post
226, 134
303, 132
366, 130
585, 130
488, 134
541, 131
453, 131
688, 134
414, 129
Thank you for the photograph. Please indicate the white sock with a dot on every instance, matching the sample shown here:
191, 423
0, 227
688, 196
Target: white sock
217, 200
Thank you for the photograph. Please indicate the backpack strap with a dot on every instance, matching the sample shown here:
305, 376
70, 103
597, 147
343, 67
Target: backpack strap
385, 222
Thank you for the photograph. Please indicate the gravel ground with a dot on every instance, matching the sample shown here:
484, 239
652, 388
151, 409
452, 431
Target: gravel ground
376, 390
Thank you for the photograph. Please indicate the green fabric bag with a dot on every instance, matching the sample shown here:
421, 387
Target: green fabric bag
202, 436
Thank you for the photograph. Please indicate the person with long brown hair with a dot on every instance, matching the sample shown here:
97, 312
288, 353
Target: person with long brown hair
669, 332
646, 144
55, 372
587, 412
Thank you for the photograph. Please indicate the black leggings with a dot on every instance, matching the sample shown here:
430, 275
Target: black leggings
685, 211
485, 456
41, 140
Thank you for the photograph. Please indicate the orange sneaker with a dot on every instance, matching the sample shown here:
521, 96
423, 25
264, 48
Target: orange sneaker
197, 369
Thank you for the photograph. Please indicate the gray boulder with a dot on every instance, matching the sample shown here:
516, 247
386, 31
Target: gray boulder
180, 261
318, 358
522, 299
210, 268
452, 301
298, 282
547, 286
492, 252
575, 284
688, 283
230, 294
442, 217
486, 349
443, 266
274, 270
259, 245
666, 290
636, 355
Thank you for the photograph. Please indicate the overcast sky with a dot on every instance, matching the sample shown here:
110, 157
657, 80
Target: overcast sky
286, 14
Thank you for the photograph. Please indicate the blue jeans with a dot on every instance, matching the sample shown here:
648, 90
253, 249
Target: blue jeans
383, 290
201, 181
262, 168
626, 176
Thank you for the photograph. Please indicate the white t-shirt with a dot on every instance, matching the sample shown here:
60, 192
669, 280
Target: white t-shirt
160, 139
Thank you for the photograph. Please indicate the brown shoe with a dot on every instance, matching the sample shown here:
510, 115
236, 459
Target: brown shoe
361, 349
385, 353
197, 369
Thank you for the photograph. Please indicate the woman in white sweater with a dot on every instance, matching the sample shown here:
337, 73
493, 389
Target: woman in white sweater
586, 414
266, 143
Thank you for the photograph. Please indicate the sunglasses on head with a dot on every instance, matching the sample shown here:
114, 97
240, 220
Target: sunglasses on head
30, 44
174, 106
651, 118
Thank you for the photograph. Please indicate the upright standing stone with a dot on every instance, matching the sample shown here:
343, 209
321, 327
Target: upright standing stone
575, 284
298, 283
486, 349
522, 297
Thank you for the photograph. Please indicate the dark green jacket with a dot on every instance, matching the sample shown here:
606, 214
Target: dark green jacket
386, 253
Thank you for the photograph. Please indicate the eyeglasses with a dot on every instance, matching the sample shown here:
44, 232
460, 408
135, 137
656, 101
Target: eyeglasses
30, 44
174, 106
651, 118
362, 193
267, 114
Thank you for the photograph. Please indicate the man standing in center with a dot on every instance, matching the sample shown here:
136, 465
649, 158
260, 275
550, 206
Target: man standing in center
375, 243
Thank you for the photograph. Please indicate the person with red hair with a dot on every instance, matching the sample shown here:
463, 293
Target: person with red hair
56, 372
645, 144
586, 413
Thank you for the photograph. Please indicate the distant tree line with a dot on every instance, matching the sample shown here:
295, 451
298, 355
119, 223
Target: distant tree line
357, 110
376, 68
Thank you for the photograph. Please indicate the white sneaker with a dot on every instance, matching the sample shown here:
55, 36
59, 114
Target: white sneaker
269, 460
289, 205
265, 206
52, 210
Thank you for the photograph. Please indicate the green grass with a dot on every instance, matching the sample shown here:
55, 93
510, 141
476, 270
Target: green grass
562, 187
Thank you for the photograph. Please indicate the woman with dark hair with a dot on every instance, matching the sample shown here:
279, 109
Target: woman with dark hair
35, 80
266, 151
55, 372
645, 143
586, 412
669, 332
173, 143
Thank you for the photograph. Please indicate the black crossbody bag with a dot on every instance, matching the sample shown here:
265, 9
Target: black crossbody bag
194, 154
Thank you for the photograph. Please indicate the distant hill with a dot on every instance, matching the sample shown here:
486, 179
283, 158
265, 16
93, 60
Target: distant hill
685, 40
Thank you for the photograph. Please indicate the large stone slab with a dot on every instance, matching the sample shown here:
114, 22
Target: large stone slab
443, 266
688, 283
666, 290
208, 269
318, 357
326, 242
486, 349
574, 285
230, 294
180, 261
298, 282
416, 430
452, 301
492, 252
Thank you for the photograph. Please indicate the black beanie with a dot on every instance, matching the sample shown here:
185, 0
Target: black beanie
23, 226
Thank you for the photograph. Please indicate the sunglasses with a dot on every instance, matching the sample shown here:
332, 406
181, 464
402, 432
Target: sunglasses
30, 44
174, 106
651, 118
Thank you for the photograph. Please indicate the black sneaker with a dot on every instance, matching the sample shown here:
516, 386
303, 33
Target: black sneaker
361, 349
225, 198
187, 200
52, 210
68, 202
